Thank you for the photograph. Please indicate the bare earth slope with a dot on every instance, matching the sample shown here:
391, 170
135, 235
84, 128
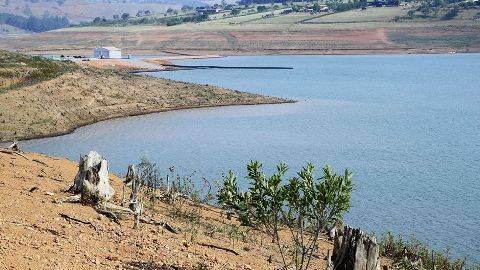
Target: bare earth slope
85, 96
33, 234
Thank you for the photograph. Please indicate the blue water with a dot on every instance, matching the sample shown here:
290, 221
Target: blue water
407, 126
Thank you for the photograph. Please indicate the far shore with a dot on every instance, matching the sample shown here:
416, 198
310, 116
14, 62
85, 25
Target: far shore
90, 95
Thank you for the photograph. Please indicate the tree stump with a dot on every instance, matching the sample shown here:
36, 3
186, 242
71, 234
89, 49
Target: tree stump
91, 181
354, 250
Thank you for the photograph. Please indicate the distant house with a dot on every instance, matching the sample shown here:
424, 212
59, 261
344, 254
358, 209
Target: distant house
208, 10
107, 53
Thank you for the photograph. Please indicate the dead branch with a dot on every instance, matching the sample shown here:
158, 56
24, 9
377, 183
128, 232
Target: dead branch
117, 208
79, 220
165, 225
71, 199
11, 152
108, 214
40, 162
221, 248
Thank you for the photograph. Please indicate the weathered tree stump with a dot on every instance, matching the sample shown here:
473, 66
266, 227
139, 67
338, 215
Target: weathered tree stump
92, 187
354, 250
14, 147
91, 181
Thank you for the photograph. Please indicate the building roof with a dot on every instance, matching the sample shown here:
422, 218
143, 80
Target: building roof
109, 48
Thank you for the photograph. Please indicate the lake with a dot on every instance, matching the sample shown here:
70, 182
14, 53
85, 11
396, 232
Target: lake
407, 126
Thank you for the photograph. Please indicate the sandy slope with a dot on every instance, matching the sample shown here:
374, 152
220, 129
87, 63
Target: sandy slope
89, 95
33, 235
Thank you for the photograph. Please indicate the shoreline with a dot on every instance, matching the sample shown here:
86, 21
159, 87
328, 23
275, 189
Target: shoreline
28, 138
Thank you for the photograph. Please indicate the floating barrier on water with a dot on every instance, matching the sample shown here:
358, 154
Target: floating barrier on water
171, 67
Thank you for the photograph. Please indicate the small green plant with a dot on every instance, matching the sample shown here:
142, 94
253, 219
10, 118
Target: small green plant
233, 233
202, 266
412, 254
305, 205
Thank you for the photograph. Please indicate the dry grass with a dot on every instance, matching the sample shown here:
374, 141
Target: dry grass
371, 14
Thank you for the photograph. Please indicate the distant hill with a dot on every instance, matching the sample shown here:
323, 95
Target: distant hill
86, 10
6, 30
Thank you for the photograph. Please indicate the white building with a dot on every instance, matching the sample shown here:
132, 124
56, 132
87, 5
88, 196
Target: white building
107, 53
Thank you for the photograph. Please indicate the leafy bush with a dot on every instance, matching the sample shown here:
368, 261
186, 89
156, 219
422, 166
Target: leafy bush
412, 254
262, 8
304, 204
452, 13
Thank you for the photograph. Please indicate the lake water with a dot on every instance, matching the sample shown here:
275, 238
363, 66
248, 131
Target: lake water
407, 126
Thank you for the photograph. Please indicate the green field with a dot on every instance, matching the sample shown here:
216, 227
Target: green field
371, 14
288, 19
242, 18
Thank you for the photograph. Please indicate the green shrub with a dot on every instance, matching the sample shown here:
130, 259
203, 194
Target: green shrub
452, 13
412, 254
304, 204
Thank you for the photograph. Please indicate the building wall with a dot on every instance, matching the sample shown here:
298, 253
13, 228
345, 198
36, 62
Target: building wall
115, 54
106, 54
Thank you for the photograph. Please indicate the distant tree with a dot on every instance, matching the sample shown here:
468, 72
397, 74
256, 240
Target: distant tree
262, 8
26, 10
35, 24
60, 2
187, 8
116, 17
452, 13
125, 16
97, 20
411, 13
169, 10
438, 3
235, 11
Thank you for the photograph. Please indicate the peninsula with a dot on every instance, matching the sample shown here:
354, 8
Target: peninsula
45, 98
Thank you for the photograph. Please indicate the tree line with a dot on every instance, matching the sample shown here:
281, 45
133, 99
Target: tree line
33, 23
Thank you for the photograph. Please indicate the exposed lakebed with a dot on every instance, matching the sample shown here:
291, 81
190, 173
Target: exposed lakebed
407, 126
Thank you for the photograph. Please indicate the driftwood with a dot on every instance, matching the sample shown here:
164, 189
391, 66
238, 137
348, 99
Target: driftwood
353, 250
79, 220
